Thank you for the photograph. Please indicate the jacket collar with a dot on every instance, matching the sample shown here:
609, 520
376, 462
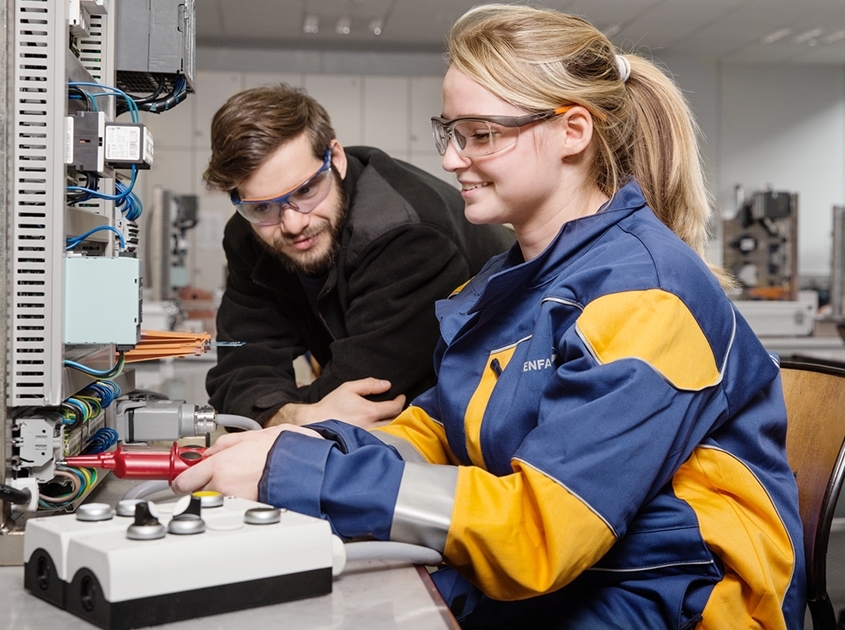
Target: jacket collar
508, 274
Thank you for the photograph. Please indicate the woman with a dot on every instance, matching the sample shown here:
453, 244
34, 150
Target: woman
605, 445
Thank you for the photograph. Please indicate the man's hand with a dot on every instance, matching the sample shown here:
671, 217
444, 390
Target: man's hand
346, 403
234, 463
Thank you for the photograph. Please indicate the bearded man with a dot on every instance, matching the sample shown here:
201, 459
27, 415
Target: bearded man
340, 253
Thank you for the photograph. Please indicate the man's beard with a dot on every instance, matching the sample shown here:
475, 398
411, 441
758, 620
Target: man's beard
310, 263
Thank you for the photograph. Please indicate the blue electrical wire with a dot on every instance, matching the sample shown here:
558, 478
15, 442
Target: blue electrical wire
130, 206
119, 197
116, 369
133, 107
101, 441
76, 240
107, 391
80, 411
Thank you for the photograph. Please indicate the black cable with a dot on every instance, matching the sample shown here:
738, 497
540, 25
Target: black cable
148, 394
162, 105
83, 95
14, 495
155, 105
162, 83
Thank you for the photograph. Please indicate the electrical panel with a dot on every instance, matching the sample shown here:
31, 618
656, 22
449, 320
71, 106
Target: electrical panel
155, 45
74, 270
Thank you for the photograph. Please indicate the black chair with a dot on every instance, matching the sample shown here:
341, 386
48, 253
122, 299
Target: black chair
815, 447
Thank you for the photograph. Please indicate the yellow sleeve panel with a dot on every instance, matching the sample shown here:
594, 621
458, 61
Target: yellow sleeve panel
417, 428
521, 535
741, 525
478, 403
653, 326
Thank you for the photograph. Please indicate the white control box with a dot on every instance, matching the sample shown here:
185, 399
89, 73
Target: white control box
93, 570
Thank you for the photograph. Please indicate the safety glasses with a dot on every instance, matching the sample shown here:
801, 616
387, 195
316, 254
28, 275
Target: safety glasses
476, 136
304, 198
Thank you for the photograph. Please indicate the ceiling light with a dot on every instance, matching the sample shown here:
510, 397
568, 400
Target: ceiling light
311, 24
834, 37
808, 36
375, 26
344, 25
772, 37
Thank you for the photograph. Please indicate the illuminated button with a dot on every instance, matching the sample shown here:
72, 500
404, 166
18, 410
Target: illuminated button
209, 498
262, 516
94, 512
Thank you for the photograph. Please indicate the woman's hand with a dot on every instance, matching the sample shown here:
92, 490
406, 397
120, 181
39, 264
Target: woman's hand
234, 463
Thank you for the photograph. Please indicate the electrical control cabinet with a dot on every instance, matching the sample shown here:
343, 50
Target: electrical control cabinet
73, 266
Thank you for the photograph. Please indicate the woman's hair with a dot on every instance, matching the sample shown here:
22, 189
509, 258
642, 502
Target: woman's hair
539, 59
254, 123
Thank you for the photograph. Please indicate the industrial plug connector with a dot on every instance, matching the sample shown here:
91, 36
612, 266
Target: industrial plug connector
21, 493
148, 420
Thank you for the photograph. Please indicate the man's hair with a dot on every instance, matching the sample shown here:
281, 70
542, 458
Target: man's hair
252, 124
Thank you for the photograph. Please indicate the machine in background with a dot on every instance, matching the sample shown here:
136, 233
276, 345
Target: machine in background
761, 252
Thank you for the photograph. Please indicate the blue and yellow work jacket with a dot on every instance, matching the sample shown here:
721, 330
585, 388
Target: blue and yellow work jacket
604, 447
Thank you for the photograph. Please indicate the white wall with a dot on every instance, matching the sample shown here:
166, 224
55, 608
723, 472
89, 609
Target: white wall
782, 126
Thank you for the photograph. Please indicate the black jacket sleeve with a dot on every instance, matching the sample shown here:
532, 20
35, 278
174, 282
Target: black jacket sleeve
252, 314
388, 330
390, 321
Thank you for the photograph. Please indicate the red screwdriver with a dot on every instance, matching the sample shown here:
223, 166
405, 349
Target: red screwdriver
142, 464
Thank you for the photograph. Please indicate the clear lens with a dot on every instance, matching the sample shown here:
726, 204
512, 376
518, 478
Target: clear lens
304, 199
441, 137
474, 138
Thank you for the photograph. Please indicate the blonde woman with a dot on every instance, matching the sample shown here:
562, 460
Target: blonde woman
605, 444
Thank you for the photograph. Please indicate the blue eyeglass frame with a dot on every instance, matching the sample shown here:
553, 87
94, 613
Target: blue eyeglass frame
282, 200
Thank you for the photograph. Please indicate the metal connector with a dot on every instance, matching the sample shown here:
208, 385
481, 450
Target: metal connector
148, 420
204, 420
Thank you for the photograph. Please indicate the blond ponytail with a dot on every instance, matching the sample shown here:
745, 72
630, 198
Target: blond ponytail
539, 59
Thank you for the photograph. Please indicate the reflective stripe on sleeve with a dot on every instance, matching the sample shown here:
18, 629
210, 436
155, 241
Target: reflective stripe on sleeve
424, 504
406, 450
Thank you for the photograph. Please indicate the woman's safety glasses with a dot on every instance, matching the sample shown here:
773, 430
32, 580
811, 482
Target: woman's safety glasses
304, 198
476, 136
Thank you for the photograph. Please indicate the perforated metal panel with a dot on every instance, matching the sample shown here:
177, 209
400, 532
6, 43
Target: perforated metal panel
35, 296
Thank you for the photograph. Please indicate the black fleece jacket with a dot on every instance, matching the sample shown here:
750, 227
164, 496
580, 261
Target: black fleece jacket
405, 244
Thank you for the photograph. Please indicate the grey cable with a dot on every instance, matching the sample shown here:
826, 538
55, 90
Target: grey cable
404, 552
146, 488
237, 422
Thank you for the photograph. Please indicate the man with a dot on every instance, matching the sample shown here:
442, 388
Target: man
340, 253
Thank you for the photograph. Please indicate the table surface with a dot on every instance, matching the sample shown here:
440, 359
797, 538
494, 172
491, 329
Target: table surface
376, 595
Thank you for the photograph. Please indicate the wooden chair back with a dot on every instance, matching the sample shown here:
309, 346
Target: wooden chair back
815, 448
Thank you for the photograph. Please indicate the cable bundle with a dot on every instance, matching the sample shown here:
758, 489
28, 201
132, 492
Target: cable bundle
101, 441
81, 480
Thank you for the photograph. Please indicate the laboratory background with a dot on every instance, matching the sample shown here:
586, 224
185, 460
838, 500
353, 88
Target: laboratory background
765, 78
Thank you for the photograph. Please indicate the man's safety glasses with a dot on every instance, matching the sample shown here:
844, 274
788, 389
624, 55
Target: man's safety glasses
476, 136
304, 198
